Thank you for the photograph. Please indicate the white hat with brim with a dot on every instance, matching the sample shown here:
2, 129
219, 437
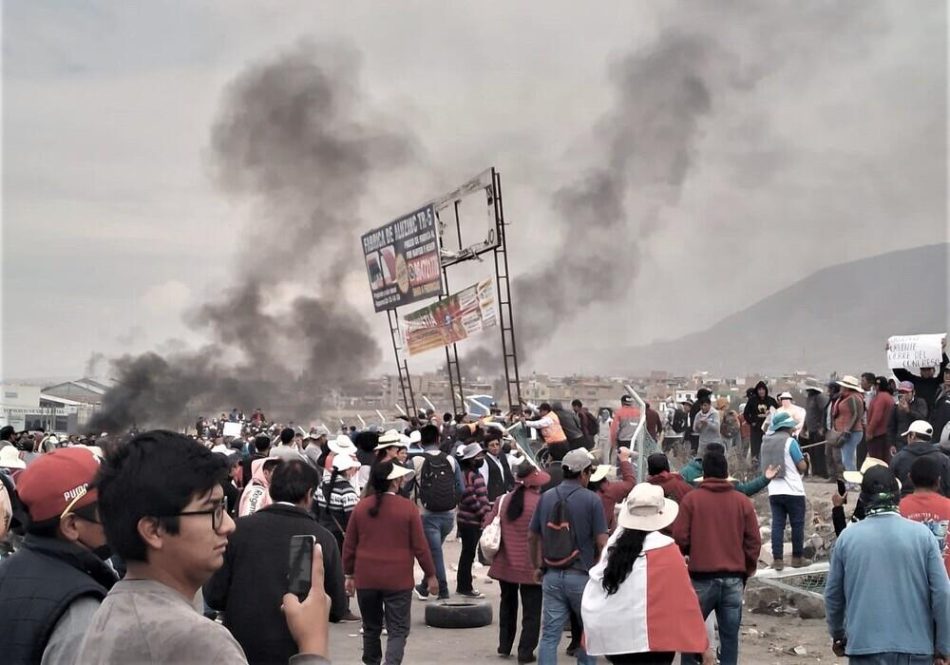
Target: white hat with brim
472, 450
786, 395
398, 472
343, 462
600, 472
390, 437
646, 509
383, 445
850, 383
10, 458
342, 445
856, 477
921, 427
700, 479
415, 436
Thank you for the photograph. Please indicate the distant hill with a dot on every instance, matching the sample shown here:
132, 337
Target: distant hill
809, 326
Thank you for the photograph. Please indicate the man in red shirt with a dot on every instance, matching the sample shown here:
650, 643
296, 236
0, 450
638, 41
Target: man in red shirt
623, 426
926, 504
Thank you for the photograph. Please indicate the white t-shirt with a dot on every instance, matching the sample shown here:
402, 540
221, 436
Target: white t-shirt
792, 483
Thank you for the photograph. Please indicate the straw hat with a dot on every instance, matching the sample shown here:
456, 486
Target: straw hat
389, 439
857, 476
345, 462
10, 458
646, 509
851, 383
600, 472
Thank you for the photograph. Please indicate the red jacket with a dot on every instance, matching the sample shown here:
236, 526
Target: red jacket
718, 530
379, 551
512, 563
879, 415
613, 492
674, 487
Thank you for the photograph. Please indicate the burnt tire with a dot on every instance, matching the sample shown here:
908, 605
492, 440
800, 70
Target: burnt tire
459, 614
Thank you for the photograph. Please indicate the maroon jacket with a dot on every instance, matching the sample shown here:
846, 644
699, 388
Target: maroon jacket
613, 492
719, 531
512, 563
879, 415
674, 487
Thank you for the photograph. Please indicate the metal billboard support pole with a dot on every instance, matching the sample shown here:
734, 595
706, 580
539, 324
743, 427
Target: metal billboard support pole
509, 348
639, 434
402, 366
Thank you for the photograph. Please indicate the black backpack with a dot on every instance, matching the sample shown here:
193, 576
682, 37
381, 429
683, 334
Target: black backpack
558, 544
438, 490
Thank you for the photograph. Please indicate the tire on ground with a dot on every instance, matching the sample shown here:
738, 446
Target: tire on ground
459, 614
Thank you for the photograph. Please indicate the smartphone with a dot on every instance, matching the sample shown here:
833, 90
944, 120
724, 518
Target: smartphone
300, 565
842, 490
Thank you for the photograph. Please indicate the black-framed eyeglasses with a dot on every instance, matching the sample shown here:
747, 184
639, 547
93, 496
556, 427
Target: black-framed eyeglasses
217, 512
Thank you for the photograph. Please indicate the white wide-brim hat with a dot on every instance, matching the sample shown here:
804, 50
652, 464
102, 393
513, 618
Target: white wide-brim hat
646, 509
398, 472
343, 462
850, 383
342, 445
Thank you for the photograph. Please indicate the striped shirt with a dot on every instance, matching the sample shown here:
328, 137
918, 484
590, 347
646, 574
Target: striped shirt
474, 504
343, 499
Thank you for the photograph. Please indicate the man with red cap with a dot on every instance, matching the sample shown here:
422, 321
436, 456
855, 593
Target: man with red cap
51, 587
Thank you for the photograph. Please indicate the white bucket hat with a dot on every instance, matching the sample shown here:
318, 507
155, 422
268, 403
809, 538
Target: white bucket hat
646, 509
600, 472
345, 462
857, 476
472, 450
342, 445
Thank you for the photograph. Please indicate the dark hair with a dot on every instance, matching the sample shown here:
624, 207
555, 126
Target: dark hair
925, 472
261, 443
429, 435
657, 463
366, 440
544, 407
577, 402
572, 475
515, 503
270, 464
379, 482
7, 432
715, 448
557, 451
620, 558
293, 481
883, 386
870, 376
286, 435
446, 417
715, 465
156, 474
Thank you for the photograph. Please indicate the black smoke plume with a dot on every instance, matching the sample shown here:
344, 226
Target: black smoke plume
291, 140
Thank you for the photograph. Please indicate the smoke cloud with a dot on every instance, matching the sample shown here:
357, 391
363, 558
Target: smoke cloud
291, 140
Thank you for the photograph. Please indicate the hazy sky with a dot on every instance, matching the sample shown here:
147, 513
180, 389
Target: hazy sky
824, 141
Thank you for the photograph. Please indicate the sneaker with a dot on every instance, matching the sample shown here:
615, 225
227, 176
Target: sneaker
779, 564
422, 593
349, 617
571, 650
474, 593
800, 562
443, 595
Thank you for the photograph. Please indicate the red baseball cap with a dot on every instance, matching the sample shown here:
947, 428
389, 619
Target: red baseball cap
54, 480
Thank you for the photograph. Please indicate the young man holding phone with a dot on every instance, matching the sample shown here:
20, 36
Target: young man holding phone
164, 513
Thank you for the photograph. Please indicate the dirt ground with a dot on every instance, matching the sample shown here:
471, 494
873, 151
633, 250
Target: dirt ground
765, 639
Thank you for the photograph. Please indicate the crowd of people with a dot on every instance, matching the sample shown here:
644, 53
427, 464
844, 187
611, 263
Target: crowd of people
169, 547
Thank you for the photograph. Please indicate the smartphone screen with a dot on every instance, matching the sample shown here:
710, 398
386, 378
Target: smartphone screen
300, 564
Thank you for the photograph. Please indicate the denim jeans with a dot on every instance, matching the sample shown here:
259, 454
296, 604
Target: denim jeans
437, 527
724, 595
890, 659
562, 592
849, 450
786, 506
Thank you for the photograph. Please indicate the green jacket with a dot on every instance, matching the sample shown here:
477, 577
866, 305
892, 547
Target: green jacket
694, 470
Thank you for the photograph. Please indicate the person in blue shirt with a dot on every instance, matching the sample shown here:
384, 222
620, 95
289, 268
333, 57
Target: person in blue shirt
887, 597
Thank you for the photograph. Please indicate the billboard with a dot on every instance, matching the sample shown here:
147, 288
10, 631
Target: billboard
402, 260
451, 320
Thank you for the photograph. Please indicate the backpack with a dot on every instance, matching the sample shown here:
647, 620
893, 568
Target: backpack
593, 423
438, 491
558, 545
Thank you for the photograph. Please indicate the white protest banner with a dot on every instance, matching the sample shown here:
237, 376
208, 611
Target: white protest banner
232, 429
912, 352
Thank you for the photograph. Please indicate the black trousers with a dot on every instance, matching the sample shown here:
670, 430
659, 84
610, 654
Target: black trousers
756, 435
395, 608
469, 535
530, 618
